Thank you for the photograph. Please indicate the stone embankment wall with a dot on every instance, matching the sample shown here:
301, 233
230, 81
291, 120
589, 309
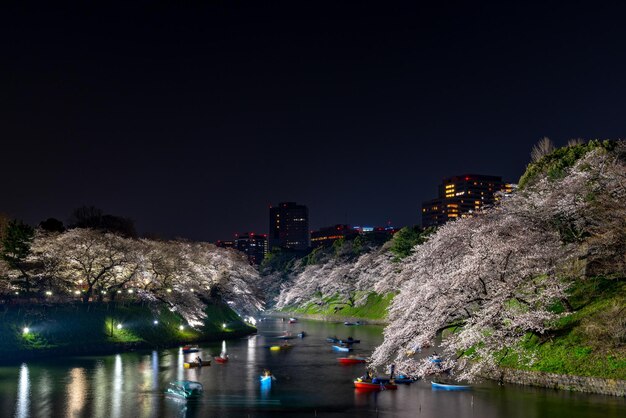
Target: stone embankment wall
566, 382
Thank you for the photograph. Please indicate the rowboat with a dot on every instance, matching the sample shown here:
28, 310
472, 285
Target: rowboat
265, 380
348, 323
293, 320
382, 385
343, 349
445, 386
302, 334
285, 337
191, 349
407, 380
349, 341
332, 340
196, 364
281, 347
185, 389
351, 360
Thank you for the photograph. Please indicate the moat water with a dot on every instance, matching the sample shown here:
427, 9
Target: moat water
309, 382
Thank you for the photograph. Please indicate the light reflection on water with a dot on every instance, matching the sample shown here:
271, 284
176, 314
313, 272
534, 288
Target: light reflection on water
116, 403
76, 390
309, 382
22, 409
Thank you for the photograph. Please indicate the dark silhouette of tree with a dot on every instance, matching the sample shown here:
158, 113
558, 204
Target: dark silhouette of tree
52, 225
16, 243
94, 218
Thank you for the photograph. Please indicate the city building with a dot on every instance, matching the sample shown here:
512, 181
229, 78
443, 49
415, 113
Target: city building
327, 235
225, 244
460, 196
289, 226
253, 245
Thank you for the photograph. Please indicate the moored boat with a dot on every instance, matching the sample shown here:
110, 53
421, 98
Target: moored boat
185, 389
446, 386
332, 340
190, 349
194, 364
349, 341
293, 320
351, 360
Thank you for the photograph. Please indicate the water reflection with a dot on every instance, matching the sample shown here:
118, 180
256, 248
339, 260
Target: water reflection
44, 392
101, 389
116, 403
22, 408
76, 390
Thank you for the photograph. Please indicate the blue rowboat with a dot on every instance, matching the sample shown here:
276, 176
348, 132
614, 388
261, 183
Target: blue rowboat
407, 380
444, 386
344, 349
265, 380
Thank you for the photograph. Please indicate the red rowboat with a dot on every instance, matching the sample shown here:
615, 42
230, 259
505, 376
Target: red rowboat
374, 386
221, 359
351, 360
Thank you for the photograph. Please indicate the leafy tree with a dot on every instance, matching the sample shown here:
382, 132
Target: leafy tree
94, 218
405, 240
16, 244
52, 225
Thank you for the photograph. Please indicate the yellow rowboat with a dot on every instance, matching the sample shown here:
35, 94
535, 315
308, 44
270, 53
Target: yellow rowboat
196, 364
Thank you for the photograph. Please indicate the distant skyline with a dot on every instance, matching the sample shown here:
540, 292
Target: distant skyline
192, 119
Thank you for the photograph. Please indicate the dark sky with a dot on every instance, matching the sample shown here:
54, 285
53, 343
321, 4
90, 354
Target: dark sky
193, 118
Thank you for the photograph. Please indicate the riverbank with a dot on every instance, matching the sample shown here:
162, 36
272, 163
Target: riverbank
372, 310
39, 331
613, 387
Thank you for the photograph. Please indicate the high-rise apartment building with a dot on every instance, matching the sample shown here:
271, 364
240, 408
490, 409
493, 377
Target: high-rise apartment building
460, 196
289, 226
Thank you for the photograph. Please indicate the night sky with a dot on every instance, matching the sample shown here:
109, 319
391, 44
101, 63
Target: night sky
192, 119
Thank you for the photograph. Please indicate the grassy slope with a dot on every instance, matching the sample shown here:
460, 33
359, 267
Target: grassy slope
590, 342
374, 308
67, 326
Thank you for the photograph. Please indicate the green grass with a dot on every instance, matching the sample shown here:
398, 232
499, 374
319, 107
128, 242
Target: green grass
589, 342
375, 307
94, 326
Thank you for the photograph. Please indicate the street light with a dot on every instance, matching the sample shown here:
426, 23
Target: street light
26, 330
155, 322
119, 326
181, 327
223, 325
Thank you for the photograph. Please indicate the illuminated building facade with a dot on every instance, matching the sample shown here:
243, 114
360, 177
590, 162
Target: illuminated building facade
326, 236
225, 244
289, 226
253, 245
460, 196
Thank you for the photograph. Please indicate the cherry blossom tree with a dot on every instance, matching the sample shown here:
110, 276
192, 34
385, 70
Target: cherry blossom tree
495, 278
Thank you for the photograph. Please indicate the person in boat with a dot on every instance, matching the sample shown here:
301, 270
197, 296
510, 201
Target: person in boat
393, 369
267, 373
199, 361
223, 355
368, 376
